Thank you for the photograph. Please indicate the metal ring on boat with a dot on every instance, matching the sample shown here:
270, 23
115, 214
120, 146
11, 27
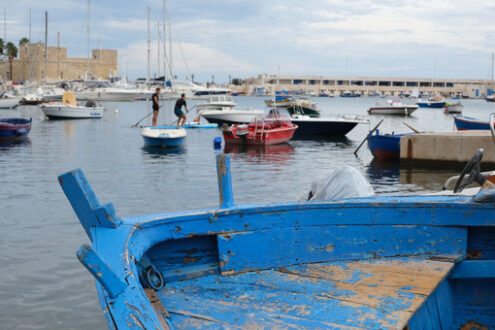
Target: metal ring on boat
152, 277
492, 129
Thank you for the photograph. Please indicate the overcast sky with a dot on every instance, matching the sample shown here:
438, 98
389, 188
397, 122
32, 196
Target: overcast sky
242, 38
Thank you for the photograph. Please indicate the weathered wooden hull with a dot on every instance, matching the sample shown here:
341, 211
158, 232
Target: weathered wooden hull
463, 123
385, 147
377, 262
14, 128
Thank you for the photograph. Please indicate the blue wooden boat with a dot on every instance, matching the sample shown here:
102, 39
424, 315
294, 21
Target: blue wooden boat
155, 136
409, 262
463, 123
14, 128
431, 104
385, 147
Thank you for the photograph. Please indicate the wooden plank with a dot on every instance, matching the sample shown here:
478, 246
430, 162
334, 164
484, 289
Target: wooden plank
246, 251
282, 299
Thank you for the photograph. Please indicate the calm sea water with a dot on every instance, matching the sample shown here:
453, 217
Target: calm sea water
43, 285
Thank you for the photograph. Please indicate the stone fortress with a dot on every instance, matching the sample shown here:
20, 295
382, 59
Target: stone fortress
30, 64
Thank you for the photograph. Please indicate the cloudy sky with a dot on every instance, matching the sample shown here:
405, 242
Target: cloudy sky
242, 38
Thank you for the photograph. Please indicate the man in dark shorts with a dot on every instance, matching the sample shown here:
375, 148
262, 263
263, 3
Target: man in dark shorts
156, 106
178, 112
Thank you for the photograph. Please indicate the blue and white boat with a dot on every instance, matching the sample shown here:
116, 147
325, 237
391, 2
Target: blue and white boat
463, 123
436, 102
14, 128
400, 262
157, 136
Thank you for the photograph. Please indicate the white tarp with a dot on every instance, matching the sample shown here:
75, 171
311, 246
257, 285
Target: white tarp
342, 182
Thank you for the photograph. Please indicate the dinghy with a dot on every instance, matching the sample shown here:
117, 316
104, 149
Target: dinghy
156, 136
385, 147
398, 262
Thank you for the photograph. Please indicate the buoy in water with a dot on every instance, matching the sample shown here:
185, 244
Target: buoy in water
116, 110
217, 143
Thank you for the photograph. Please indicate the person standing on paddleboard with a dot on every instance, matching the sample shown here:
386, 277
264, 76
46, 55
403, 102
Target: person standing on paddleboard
178, 110
156, 106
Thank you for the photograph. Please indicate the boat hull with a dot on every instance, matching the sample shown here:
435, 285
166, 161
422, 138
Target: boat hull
463, 123
110, 96
322, 127
14, 128
9, 103
397, 111
159, 137
229, 117
71, 112
260, 136
385, 147
431, 104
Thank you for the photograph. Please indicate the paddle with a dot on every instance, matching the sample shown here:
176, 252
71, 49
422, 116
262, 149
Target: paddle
371, 132
136, 124
411, 128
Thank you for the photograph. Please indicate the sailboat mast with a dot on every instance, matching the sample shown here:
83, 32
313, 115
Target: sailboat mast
149, 50
88, 40
158, 47
45, 73
493, 57
170, 45
5, 24
164, 42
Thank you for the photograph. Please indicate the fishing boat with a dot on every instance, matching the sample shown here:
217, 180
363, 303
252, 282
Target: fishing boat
272, 129
453, 108
385, 147
397, 262
463, 123
304, 106
282, 100
392, 107
308, 126
14, 128
66, 111
436, 102
157, 136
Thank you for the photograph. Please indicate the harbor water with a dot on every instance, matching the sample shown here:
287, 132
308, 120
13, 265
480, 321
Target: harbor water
44, 286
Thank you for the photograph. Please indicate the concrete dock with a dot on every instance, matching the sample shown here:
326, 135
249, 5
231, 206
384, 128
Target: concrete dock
453, 147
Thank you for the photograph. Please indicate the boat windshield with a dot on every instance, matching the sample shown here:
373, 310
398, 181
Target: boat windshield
276, 117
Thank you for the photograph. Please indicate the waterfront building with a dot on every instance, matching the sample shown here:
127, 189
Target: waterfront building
369, 86
31, 64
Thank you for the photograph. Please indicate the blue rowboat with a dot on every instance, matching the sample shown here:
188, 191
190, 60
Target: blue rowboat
385, 147
403, 262
430, 103
469, 123
163, 137
14, 128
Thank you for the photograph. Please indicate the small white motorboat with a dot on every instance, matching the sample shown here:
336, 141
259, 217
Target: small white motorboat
157, 136
393, 107
231, 116
217, 102
65, 111
8, 102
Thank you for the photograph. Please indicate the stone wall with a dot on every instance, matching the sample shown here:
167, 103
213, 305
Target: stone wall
30, 64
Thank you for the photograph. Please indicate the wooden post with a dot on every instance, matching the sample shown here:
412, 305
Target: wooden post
224, 181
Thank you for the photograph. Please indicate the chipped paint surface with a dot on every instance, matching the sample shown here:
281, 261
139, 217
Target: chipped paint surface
382, 293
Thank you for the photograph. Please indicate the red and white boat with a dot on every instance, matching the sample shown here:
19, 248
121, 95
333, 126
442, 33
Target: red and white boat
272, 129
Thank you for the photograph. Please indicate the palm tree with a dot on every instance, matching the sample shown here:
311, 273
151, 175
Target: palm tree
23, 41
2, 46
11, 53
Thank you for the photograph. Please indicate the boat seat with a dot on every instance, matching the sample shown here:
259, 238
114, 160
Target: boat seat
372, 294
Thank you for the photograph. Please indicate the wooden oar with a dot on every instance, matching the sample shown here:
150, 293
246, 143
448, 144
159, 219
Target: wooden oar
411, 128
371, 132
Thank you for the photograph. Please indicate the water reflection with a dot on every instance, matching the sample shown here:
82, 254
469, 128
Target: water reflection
10, 144
157, 152
280, 154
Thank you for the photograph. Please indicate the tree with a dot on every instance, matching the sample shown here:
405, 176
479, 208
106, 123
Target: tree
11, 53
23, 41
2, 46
